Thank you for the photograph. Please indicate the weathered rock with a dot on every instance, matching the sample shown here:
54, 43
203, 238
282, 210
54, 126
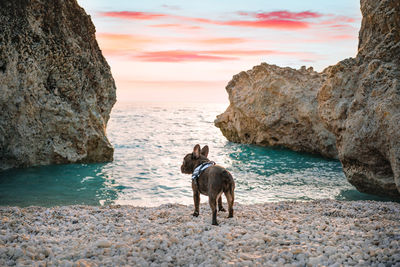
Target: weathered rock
56, 88
275, 106
360, 102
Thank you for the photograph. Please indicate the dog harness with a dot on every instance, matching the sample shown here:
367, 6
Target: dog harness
201, 168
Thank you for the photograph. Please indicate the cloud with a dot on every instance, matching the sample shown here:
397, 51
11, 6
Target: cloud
282, 19
112, 43
287, 15
259, 53
115, 41
133, 15
288, 20
171, 7
270, 23
179, 56
213, 55
226, 40
134, 47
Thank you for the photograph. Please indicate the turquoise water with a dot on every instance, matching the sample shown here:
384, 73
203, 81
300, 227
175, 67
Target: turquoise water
150, 142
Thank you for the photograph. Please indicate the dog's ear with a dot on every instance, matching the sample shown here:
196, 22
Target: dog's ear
196, 151
204, 151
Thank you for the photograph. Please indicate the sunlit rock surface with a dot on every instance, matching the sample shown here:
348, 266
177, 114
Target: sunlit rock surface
275, 106
357, 100
56, 88
360, 102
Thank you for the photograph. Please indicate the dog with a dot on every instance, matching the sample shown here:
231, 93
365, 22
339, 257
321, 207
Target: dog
209, 179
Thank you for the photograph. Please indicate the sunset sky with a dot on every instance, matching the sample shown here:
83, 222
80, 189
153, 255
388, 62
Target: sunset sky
187, 51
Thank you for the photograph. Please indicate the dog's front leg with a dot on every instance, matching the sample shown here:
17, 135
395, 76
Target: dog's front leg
196, 199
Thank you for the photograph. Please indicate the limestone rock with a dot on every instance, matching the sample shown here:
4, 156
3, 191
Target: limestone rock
275, 106
56, 88
360, 102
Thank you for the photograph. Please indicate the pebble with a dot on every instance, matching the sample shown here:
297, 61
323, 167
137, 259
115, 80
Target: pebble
316, 233
103, 244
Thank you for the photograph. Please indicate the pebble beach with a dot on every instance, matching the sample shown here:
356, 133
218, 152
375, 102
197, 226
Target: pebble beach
317, 233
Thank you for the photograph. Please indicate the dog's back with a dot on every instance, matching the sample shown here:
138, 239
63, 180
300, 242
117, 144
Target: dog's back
221, 178
209, 179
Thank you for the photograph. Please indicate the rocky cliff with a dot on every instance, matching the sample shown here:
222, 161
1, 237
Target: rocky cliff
360, 102
356, 100
275, 106
56, 89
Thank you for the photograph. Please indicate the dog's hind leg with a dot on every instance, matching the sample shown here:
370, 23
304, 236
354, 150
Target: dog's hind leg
220, 208
212, 200
230, 197
196, 199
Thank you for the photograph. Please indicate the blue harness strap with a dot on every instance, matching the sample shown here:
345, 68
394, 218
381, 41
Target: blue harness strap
201, 168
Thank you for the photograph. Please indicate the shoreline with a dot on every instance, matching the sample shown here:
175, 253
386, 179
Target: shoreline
321, 232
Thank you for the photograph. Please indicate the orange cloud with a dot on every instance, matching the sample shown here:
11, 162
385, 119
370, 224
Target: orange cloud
126, 42
111, 43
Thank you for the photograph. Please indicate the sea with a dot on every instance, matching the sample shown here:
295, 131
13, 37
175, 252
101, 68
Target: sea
150, 141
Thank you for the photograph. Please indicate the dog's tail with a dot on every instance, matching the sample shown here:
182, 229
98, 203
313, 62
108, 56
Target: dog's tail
229, 183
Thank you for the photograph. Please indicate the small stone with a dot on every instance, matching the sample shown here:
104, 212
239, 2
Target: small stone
18, 252
103, 244
330, 250
83, 263
297, 251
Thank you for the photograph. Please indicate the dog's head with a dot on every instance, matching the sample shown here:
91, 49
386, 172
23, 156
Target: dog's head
192, 160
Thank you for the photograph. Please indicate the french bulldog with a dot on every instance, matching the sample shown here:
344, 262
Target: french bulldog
210, 180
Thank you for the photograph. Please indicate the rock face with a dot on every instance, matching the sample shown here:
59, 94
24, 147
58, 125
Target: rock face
56, 89
357, 100
360, 102
275, 106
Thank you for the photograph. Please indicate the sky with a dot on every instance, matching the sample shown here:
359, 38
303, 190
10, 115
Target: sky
187, 51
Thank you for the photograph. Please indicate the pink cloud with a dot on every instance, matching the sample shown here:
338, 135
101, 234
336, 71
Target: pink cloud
258, 53
287, 15
212, 55
179, 56
344, 37
277, 19
271, 23
227, 40
134, 15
